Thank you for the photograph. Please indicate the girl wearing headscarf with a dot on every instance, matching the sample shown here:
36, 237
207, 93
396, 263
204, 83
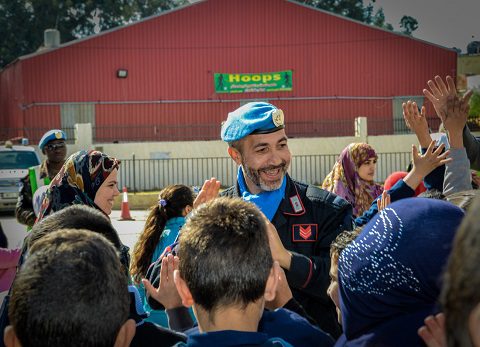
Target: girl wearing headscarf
88, 178
352, 177
390, 275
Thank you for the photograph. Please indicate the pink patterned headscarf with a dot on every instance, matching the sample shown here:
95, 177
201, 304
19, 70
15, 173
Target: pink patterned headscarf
344, 180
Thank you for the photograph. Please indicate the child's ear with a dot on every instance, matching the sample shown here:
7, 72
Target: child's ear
182, 288
10, 338
125, 334
272, 282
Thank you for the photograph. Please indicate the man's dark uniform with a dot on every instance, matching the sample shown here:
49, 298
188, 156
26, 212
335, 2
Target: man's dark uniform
308, 220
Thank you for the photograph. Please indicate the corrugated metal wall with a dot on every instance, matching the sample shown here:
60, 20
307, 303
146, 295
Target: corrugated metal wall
341, 70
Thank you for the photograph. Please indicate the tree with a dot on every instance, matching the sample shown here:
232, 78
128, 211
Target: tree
475, 104
473, 47
354, 9
408, 25
22, 22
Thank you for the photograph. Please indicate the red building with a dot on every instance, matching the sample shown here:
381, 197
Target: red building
337, 69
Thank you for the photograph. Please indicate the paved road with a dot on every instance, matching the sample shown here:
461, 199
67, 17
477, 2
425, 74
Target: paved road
128, 230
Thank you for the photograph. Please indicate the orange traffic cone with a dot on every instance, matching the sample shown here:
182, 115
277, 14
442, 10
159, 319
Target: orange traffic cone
125, 215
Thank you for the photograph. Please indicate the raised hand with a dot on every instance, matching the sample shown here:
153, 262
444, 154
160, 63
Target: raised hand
417, 122
456, 113
208, 192
166, 293
279, 252
433, 332
384, 201
439, 93
433, 158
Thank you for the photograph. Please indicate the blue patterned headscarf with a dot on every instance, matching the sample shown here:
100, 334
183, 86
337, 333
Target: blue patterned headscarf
78, 181
390, 275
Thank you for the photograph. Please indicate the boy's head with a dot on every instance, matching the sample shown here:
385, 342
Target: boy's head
337, 246
71, 291
80, 217
225, 258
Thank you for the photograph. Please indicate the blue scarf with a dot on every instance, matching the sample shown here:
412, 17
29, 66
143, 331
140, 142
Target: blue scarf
389, 276
266, 201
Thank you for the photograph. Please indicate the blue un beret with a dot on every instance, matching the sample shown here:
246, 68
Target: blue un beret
55, 134
252, 118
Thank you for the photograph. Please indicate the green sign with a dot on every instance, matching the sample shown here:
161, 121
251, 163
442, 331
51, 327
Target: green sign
253, 82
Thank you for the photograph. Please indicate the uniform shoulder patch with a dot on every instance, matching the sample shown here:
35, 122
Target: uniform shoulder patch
304, 232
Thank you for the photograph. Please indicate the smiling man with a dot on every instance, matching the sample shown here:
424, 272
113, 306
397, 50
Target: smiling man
307, 219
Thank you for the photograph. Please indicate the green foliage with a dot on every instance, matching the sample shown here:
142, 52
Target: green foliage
22, 22
408, 24
474, 105
354, 9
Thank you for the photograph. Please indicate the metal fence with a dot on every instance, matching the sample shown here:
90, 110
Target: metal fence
154, 174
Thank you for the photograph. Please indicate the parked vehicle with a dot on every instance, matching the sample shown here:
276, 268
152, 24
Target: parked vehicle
14, 164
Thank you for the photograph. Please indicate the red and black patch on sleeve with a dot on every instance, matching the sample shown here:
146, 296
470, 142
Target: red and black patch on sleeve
304, 232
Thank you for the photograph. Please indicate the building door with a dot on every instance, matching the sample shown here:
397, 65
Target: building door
72, 113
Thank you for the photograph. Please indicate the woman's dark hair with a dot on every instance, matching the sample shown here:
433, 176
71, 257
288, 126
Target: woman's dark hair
172, 201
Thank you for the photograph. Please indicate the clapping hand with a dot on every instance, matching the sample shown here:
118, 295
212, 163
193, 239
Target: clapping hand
166, 293
208, 192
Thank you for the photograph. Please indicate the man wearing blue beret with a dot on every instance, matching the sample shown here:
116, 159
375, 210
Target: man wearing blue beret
307, 219
52, 144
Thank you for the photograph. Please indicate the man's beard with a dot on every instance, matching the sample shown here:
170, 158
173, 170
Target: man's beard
256, 178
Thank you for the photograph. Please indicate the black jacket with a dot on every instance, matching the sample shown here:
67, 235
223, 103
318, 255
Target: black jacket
308, 220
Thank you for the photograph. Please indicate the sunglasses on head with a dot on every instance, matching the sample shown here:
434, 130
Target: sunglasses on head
54, 146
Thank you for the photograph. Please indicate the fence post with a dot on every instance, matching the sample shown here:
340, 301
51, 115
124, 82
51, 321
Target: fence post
83, 135
361, 129
134, 174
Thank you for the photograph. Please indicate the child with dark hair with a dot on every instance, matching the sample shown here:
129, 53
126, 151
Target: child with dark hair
161, 230
336, 248
226, 272
88, 218
70, 292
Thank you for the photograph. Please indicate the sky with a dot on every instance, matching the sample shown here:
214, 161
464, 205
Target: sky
449, 23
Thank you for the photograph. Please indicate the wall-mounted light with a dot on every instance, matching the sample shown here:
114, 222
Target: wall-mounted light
122, 73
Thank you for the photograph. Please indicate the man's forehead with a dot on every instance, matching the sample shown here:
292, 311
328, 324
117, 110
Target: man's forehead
56, 141
271, 138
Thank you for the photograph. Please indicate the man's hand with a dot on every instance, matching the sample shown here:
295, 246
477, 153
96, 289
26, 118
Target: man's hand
279, 253
208, 192
166, 293
417, 122
433, 332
